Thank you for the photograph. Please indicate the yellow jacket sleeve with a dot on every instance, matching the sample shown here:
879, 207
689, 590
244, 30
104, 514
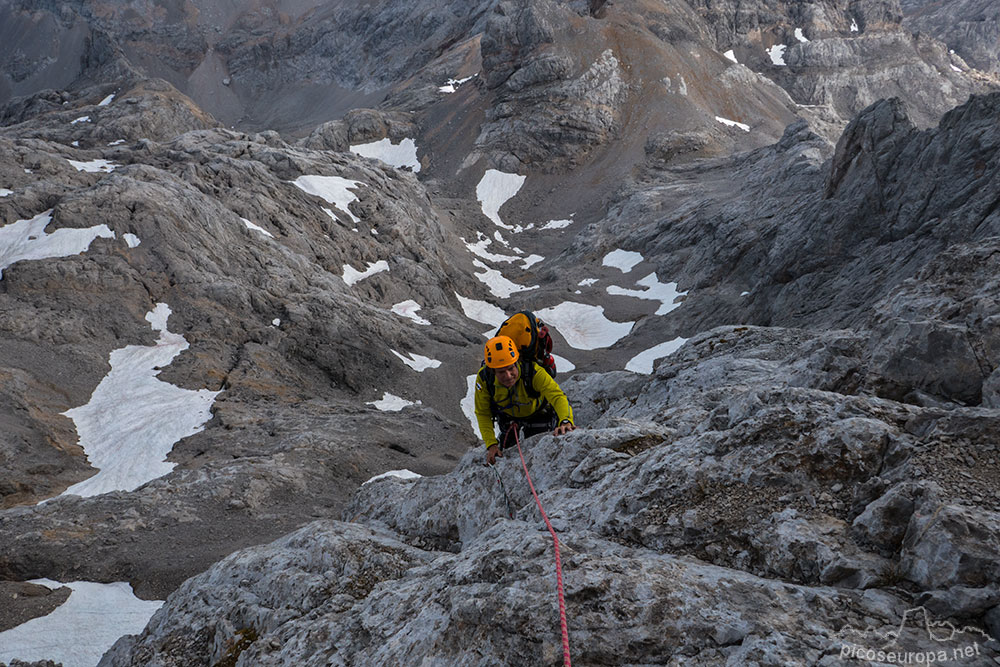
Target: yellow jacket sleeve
553, 393
484, 417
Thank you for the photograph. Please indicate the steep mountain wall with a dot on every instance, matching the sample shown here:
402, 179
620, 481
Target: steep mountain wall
970, 27
818, 456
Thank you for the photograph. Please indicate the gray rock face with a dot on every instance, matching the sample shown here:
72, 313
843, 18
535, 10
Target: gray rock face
736, 22
849, 74
227, 285
819, 455
490, 604
969, 27
827, 260
938, 333
716, 457
230, 59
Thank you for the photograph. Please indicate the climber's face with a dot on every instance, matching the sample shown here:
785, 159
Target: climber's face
507, 376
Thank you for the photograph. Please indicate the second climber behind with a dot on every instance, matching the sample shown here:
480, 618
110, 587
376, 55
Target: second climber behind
516, 395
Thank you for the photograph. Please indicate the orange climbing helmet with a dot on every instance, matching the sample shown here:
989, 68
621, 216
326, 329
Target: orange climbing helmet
500, 352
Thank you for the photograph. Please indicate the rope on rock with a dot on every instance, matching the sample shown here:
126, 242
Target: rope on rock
555, 542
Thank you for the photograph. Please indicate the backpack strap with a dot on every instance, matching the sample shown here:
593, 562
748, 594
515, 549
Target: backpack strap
528, 374
488, 377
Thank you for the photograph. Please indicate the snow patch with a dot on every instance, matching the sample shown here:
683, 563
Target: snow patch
800, 36
417, 362
665, 293
81, 119
499, 286
733, 123
583, 326
333, 189
403, 154
106, 101
256, 228
5, 192
493, 191
276, 322
391, 403
399, 474
480, 311
777, 53
468, 405
26, 239
563, 365
623, 260
80, 630
732, 56
643, 362
854, 25
557, 224
957, 69
133, 419
451, 84
587, 282
94, 165
131, 239
479, 250
352, 275
116, 142
409, 310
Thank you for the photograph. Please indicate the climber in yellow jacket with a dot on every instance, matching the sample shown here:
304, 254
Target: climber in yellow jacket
516, 396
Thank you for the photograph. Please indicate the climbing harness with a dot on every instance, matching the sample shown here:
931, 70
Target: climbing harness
555, 543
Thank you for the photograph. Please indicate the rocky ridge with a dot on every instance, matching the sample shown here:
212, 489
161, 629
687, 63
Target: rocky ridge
737, 508
820, 455
971, 28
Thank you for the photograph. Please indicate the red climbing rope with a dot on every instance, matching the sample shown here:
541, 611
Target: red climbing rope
555, 542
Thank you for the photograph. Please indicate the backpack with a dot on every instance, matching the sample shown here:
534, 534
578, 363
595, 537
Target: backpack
532, 338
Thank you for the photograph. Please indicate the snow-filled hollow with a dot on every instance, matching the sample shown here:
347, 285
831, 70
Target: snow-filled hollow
452, 84
133, 419
665, 293
583, 326
94, 166
777, 54
332, 189
401, 155
623, 260
497, 284
391, 403
80, 630
417, 362
352, 276
256, 228
403, 474
27, 240
494, 190
643, 362
481, 311
408, 309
